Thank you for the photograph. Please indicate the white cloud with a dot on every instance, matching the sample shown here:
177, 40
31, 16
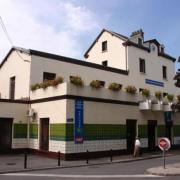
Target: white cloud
50, 26
80, 18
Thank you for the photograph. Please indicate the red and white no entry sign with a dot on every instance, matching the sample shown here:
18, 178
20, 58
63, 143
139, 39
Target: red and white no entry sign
164, 144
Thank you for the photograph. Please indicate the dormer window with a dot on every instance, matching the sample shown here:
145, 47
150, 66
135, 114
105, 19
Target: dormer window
153, 47
104, 46
162, 49
139, 41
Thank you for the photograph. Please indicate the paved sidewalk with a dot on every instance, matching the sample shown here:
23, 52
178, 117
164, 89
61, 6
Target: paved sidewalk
170, 170
15, 163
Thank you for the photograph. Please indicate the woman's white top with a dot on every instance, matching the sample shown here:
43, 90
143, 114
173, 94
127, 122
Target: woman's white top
137, 143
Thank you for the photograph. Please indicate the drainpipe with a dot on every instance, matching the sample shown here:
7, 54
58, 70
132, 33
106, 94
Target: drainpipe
28, 125
126, 57
29, 105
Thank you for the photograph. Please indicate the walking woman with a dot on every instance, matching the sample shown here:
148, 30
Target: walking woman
137, 147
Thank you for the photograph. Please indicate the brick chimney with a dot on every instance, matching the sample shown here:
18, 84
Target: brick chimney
137, 36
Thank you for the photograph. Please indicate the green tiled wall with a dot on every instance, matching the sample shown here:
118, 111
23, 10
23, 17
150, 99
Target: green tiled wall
142, 131
65, 132
176, 130
59, 132
161, 130
104, 131
20, 131
33, 131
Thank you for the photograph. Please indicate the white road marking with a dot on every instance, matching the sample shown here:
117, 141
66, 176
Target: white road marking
82, 176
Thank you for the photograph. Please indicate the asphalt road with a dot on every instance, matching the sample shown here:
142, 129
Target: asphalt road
132, 170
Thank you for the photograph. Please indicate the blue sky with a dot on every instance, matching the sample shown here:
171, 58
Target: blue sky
68, 27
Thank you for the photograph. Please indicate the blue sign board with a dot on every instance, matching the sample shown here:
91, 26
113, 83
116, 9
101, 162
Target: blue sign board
78, 124
153, 82
168, 118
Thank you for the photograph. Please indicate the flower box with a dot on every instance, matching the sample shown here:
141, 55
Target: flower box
167, 107
145, 105
157, 106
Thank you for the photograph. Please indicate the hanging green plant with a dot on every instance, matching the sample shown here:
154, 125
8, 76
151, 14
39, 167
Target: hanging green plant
146, 93
76, 80
178, 98
96, 84
131, 89
158, 95
35, 86
115, 86
56, 81
170, 97
46, 84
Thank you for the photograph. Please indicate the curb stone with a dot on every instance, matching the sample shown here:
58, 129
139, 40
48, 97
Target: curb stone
162, 173
171, 170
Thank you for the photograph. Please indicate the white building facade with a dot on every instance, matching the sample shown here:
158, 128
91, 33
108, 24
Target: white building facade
44, 117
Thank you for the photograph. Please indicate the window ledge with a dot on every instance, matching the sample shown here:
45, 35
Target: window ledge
104, 51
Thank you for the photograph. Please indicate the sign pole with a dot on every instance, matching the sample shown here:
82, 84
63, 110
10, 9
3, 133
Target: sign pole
164, 145
164, 159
